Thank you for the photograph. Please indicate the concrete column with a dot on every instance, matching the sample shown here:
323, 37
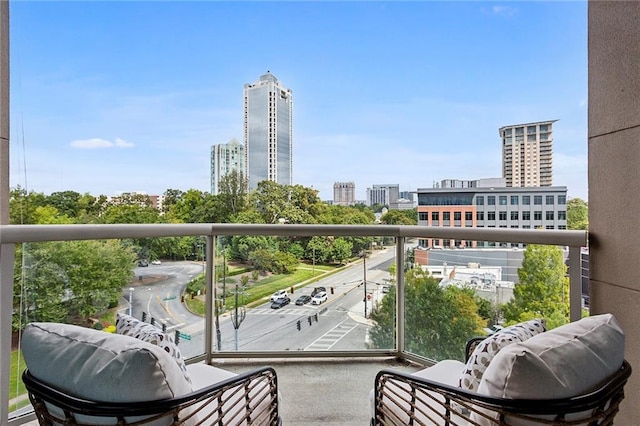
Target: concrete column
614, 176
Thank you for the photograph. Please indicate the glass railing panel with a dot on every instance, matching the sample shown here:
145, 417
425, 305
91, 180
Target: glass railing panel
87, 283
303, 294
454, 294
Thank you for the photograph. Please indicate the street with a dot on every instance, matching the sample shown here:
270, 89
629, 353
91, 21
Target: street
337, 324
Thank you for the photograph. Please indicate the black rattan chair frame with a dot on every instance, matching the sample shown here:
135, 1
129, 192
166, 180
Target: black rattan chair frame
400, 396
237, 400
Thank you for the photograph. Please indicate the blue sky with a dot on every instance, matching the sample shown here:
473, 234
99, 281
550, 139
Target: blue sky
129, 96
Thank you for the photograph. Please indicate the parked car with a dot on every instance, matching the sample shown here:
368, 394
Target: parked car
385, 289
317, 290
155, 262
279, 295
319, 298
303, 300
143, 262
279, 303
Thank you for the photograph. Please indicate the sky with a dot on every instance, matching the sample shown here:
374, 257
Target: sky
111, 97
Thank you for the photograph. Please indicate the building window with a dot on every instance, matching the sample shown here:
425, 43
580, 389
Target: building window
550, 215
446, 243
563, 227
479, 200
436, 242
446, 216
435, 216
503, 200
562, 215
562, 199
514, 215
468, 215
423, 216
479, 215
491, 215
514, 200
491, 200
526, 215
549, 227
537, 200
537, 215
526, 226
526, 200
549, 200
503, 215
457, 215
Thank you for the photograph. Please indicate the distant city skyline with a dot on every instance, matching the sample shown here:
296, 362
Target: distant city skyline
107, 98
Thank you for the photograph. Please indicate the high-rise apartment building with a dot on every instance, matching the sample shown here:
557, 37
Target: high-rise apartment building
268, 132
383, 194
527, 154
344, 193
224, 159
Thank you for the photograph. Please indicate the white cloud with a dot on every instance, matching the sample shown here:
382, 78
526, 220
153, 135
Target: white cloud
506, 11
121, 143
98, 143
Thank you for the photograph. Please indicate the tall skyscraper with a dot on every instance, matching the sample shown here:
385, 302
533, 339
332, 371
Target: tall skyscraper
268, 132
527, 154
344, 193
224, 159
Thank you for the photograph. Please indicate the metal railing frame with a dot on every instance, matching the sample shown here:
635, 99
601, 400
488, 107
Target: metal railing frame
15, 234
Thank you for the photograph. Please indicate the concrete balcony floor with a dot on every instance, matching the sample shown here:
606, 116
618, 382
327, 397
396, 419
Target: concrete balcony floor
325, 391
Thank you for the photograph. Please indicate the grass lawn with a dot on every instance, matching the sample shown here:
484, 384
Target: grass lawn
256, 291
16, 387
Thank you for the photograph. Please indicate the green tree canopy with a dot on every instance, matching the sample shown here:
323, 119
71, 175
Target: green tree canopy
71, 280
577, 214
543, 290
400, 217
438, 323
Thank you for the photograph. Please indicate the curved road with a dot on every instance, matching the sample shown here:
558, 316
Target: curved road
338, 324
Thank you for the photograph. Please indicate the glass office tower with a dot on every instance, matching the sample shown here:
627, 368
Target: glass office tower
268, 132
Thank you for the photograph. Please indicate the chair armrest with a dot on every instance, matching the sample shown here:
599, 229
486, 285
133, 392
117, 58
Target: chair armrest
250, 397
401, 399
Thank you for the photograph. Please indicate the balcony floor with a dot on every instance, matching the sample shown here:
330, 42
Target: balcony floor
326, 391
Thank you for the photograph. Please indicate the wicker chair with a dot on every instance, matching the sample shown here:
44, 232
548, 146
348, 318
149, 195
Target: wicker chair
532, 369
250, 398
79, 376
402, 399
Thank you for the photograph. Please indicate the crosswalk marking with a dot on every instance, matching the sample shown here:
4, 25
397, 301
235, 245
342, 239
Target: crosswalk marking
331, 337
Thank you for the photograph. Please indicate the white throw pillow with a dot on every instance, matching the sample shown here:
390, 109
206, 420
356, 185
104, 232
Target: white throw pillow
561, 363
486, 350
130, 326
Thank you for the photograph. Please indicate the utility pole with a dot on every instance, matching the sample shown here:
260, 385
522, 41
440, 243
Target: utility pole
237, 316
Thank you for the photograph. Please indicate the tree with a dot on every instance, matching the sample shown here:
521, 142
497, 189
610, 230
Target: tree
577, 214
341, 250
70, 281
400, 217
438, 320
233, 194
543, 288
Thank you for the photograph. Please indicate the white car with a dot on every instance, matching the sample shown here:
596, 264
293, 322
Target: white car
279, 295
319, 298
155, 262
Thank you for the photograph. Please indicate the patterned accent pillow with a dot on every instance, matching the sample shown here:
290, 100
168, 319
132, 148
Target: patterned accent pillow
130, 326
489, 347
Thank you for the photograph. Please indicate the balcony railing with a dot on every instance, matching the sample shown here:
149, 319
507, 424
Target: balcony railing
211, 346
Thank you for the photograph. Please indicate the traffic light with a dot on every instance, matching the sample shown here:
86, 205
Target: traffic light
298, 325
177, 338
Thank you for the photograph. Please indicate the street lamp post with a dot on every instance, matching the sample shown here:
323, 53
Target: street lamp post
130, 301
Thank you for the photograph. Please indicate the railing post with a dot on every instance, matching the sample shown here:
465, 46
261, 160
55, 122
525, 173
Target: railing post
209, 298
575, 283
400, 313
